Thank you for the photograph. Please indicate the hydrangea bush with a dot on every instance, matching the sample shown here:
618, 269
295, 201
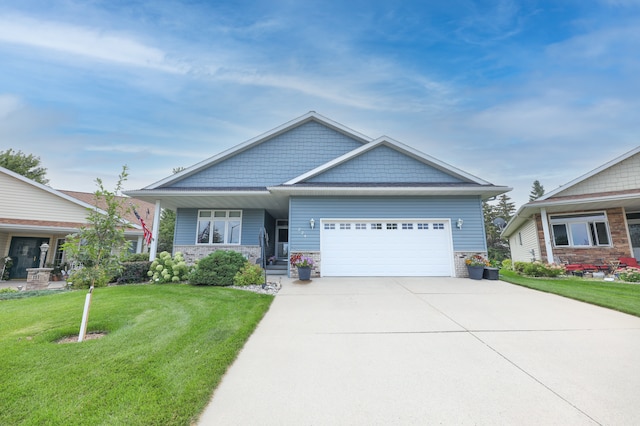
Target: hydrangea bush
629, 274
539, 269
165, 269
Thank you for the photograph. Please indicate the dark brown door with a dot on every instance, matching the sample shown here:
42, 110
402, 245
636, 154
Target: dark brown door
25, 253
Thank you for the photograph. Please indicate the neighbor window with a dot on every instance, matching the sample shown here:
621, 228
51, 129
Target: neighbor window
580, 230
219, 226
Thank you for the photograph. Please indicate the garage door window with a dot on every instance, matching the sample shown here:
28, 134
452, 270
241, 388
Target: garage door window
407, 226
392, 226
376, 226
423, 226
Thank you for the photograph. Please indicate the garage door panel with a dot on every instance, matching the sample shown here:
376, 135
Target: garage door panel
422, 248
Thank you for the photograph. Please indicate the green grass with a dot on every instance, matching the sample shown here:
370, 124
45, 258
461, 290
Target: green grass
166, 350
614, 295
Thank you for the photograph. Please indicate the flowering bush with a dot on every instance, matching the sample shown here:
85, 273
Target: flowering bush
539, 269
300, 261
477, 260
164, 269
629, 274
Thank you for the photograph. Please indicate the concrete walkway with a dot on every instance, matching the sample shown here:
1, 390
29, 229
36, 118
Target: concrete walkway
404, 351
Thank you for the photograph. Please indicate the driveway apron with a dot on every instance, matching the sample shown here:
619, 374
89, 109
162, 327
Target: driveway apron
404, 351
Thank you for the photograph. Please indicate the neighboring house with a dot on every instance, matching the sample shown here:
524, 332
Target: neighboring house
32, 214
358, 206
592, 219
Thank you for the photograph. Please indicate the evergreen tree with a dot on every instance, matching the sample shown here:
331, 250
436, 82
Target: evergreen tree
166, 230
23, 164
537, 190
497, 247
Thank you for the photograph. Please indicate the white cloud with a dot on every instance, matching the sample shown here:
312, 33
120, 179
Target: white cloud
8, 105
91, 43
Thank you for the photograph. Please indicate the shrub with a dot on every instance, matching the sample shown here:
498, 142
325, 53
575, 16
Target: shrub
629, 274
165, 269
249, 275
8, 290
83, 277
539, 269
134, 272
218, 268
136, 257
507, 264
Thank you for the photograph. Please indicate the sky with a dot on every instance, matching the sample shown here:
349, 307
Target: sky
509, 91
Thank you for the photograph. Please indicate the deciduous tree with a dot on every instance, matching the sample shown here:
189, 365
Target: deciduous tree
27, 165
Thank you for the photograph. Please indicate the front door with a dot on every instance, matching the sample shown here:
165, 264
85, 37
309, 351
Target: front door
282, 239
25, 253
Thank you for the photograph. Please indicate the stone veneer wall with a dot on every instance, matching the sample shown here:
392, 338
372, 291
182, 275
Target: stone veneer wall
315, 271
620, 246
192, 253
459, 258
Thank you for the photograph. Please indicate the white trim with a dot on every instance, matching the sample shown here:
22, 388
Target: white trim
397, 146
546, 234
226, 221
153, 249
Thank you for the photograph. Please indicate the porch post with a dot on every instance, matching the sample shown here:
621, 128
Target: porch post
153, 249
547, 235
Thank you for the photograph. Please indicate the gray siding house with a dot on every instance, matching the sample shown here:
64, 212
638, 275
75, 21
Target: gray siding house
359, 206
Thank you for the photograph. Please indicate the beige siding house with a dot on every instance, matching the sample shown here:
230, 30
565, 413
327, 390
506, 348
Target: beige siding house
32, 214
593, 219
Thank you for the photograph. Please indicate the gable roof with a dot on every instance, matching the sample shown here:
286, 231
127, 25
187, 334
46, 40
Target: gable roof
563, 188
397, 146
306, 118
562, 199
81, 199
228, 180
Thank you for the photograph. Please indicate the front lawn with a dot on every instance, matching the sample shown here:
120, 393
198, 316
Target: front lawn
166, 349
610, 294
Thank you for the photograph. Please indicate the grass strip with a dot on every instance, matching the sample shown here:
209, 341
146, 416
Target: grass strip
609, 294
166, 349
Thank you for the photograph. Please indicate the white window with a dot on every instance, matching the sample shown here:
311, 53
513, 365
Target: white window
345, 226
580, 230
219, 226
423, 226
438, 226
329, 226
361, 226
407, 226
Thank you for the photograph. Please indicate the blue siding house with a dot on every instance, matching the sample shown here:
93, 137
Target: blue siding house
358, 206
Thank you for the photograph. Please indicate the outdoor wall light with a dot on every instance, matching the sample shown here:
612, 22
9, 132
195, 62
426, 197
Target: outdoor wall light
459, 223
312, 223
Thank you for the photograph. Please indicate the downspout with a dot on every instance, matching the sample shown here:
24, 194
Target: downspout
546, 234
154, 232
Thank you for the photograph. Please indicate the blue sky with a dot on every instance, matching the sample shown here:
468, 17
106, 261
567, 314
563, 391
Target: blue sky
510, 91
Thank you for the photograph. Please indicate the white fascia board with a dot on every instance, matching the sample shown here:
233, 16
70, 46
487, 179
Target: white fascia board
163, 193
38, 228
591, 173
312, 115
393, 144
50, 190
386, 190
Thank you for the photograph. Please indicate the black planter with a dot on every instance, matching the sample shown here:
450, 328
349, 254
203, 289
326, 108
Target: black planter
304, 274
475, 272
490, 273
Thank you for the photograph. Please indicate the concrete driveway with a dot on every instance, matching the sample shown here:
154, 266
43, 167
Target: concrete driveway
402, 351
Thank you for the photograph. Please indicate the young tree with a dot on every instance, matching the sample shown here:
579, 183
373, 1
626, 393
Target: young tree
23, 164
537, 190
99, 247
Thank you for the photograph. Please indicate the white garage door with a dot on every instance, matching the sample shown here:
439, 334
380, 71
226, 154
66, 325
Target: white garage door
386, 247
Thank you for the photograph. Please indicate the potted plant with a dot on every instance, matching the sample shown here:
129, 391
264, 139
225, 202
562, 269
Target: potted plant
272, 260
476, 265
492, 271
304, 265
